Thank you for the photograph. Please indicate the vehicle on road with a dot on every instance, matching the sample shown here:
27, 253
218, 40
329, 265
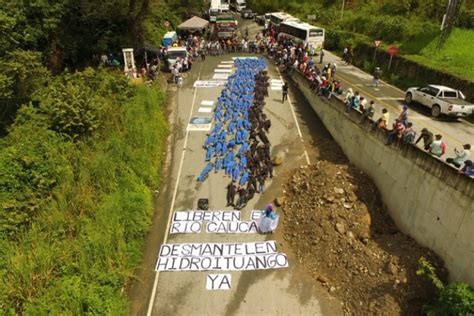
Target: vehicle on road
276, 18
247, 13
212, 14
226, 26
169, 38
305, 33
174, 53
238, 5
441, 100
260, 19
224, 5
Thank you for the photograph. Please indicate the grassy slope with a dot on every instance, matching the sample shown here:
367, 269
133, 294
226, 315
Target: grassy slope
86, 241
457, 57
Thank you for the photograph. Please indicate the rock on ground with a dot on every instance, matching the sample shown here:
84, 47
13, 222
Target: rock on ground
335, 222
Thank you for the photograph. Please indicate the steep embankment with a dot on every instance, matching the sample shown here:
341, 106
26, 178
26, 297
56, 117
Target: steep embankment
77, 172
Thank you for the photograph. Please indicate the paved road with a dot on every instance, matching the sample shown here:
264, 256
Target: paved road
271, 292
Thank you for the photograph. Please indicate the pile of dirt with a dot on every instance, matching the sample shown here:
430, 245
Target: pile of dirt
337, 226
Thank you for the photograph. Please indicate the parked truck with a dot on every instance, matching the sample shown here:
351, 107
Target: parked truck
226, 26
441, 100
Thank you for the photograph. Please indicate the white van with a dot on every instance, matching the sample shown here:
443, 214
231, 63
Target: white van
238, 5
174, 53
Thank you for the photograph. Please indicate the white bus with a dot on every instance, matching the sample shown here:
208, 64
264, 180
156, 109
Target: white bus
278, 17
224, 6
305, 33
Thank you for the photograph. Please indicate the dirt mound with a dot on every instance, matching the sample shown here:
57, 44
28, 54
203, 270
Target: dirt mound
337, 225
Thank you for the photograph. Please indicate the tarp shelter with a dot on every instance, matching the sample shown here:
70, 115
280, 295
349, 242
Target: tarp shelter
194, 24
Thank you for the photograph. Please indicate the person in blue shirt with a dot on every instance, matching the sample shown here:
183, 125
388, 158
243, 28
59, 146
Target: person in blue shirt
244, 178
218, 165
229, 167
218, 149
243, 163
235, 172
238, 137
205, 172
209, 153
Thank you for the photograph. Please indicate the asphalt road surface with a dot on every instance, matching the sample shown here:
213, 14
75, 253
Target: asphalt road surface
288, 291
285, 291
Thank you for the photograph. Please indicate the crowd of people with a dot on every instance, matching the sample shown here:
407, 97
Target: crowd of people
291, 56
322, 81
238, 144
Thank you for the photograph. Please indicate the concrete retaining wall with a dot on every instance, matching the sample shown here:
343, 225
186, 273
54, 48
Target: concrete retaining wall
427, 199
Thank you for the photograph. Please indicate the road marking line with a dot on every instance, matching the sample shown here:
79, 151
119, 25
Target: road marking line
205, 110
223, 71
175, 193
296, 122
392, 98
207, 103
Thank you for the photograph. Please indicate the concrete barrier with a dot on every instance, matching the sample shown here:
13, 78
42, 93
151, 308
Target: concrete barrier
427, 199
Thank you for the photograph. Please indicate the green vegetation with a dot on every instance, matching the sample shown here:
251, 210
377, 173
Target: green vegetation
76, 201
81, 153
457, 56
412, 25
454, 299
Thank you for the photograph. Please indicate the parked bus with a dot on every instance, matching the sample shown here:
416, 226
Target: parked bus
278, 17
305, 33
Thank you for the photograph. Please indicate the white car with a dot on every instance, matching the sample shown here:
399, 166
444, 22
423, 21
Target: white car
441, 100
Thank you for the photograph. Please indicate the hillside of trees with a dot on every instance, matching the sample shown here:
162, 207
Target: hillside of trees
411, 25
81, 153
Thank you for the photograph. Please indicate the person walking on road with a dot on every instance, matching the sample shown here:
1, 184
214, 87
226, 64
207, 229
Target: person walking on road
403, 117
231, 190
243, 198
427, 138
284, 92
321, 56
377, 76
461, 156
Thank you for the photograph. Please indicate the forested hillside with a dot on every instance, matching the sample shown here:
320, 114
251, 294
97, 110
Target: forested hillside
81, 153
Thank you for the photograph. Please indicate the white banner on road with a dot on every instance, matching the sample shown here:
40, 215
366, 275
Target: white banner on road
218, 249
200, 123
209, 83
226, 263
255, 215
245, 57
235, 227
208, 216
185, 227
218, 281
